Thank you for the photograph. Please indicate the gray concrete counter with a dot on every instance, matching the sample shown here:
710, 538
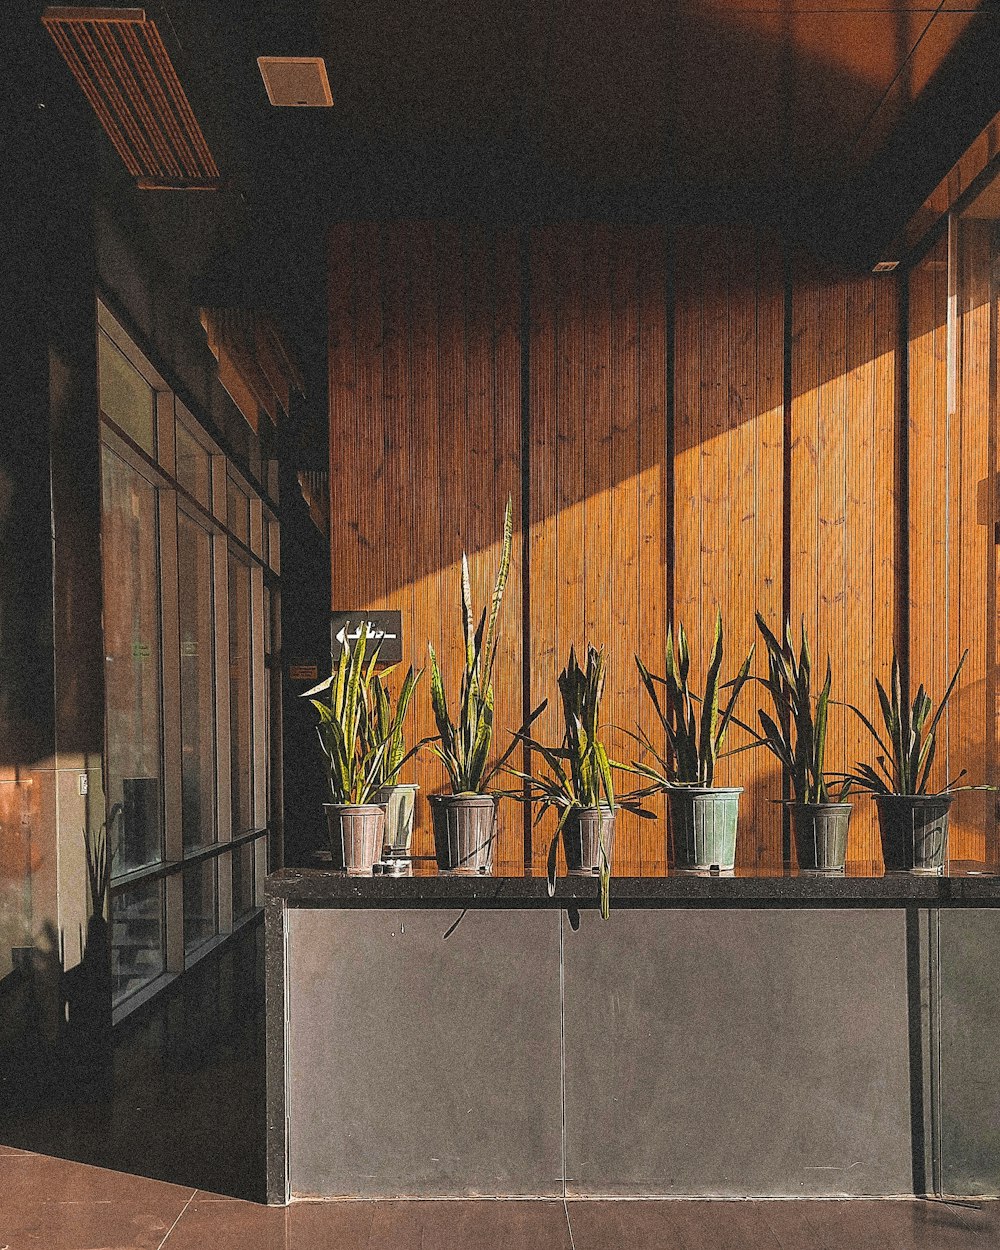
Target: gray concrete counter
758, 1036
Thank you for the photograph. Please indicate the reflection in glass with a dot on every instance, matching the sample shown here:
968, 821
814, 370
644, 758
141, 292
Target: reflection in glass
125, 395
238, 511
241, 740
132, 664
137, 955
194, 467
274, 546
243, 880
200, 904
197, 670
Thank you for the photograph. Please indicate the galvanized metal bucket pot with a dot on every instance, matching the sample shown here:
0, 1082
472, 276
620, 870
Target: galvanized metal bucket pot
356, 832
820, 832
465, 829
914, 829
703, 822
399, 800
583, 835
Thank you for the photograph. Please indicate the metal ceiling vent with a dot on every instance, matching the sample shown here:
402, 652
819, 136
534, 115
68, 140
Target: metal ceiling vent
296, 81
124, 70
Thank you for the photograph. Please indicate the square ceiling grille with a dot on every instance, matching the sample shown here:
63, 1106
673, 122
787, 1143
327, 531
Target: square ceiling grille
124, 70
296, 81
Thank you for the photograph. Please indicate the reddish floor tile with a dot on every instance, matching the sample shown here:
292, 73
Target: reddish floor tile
32, 1178
84, 1225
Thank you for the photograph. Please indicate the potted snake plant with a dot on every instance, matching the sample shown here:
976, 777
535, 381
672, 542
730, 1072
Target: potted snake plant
389, 719
465, 819
355, 755
913, 822
797, 736
578, 783
703, 816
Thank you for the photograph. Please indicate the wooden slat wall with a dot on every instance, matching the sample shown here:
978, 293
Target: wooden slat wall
426, 362
972, 728
952, 504
728, 475
598, 446
844, 499
425, 448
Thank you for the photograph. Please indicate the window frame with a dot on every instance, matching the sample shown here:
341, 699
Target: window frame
173, 499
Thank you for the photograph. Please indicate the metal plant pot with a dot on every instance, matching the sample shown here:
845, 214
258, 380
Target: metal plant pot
583, 835
399, 800
703, 822
914, 829
465, 827
820, 832
356, 832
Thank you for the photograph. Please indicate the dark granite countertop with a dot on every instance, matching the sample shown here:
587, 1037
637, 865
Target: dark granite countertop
962, 884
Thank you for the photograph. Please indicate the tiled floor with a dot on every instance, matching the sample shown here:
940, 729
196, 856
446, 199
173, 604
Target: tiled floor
181, 1100
51, 1204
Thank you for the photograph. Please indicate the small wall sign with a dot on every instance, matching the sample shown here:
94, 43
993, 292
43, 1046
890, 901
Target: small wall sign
303, 672
385, 628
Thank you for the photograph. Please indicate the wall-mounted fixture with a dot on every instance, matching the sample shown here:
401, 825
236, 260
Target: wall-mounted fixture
296, 81
124, 70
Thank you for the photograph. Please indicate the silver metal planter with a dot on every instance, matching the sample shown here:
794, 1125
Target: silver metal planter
914, 829
465, 829
703, 822
400, 800
583, 835
820, 832
356, 832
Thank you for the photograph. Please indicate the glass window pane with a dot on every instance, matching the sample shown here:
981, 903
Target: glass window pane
238, 511
197, 668
125, 395
136, 937
241, 738
201, 913
243, 880
132, 664
194, 466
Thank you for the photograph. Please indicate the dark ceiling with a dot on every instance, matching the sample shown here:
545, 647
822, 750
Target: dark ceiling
548, 108
829, 119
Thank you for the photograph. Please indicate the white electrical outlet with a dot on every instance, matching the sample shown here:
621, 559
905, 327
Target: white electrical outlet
84, 783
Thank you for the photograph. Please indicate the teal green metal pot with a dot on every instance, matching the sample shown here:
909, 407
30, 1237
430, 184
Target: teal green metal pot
703, 822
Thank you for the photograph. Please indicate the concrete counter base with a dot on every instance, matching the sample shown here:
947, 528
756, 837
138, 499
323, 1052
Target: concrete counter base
691, 1052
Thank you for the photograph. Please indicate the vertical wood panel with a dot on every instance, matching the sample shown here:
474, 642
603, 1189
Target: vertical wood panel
425, 453
728, 471
425, 448
844, 501
952, 477
543, 520
929, 480
654, 485
505, 385
970, 745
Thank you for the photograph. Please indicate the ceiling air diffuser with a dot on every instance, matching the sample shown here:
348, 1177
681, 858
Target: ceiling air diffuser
118, 58
296, 81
